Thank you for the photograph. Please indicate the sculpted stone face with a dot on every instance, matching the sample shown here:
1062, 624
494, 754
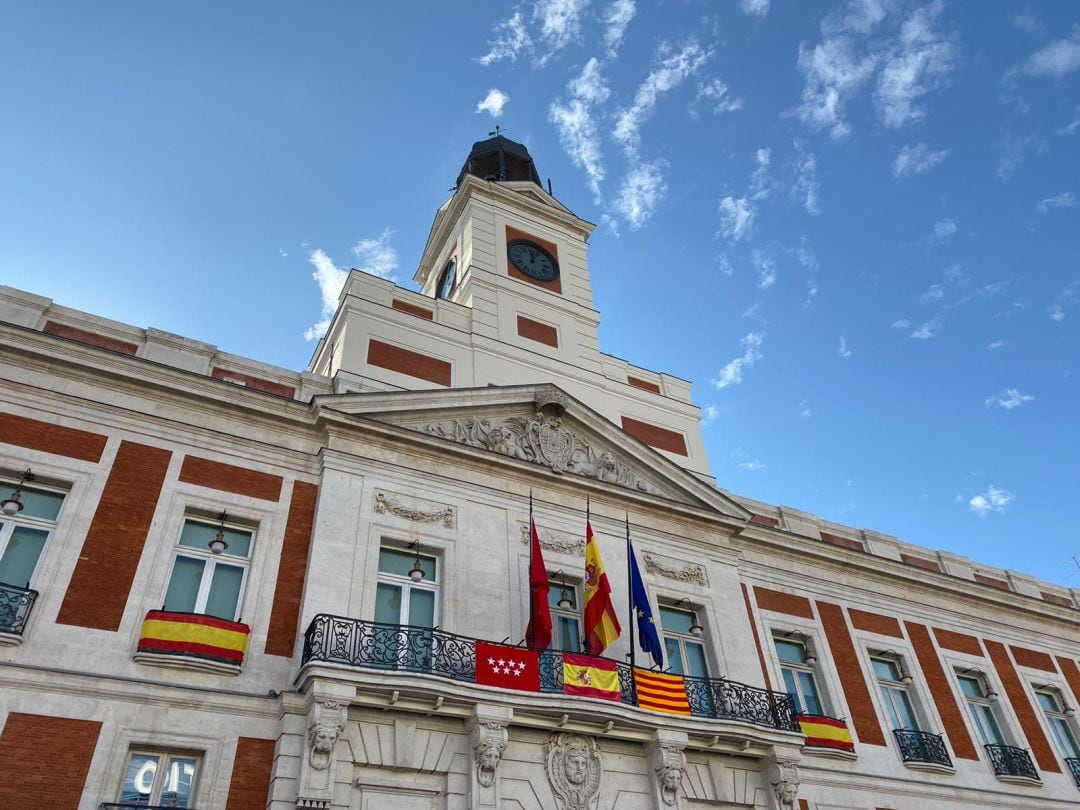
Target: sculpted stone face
489, 757
576, 767
324, 739
671, 777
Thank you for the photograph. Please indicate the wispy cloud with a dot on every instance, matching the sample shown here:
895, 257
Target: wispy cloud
745, 461
1064, 200
732, 373
616, 18
927, 331
997, 344
843, 349
511, 39
755, 8
766, 267
640, 193
919, 64
1015, 150
993, 500
716, 94
804, 409
1060, 57
933, 294
1009, 399
708, 415
917, 158
375, 256
806, 189
560, 21
736, 217
944, 230
493, 102
576, 124
1066, 300
902, 323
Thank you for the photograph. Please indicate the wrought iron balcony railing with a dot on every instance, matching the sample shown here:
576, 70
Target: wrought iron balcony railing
1074, 768
375, 645
922, 746
137, 806
15, 606
1008, 760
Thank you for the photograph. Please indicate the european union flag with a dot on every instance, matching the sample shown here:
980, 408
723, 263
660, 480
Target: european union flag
648, 638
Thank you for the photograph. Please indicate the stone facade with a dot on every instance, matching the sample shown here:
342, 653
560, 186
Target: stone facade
325, 471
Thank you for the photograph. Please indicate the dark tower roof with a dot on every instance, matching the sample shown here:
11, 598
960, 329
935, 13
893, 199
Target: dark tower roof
500, 158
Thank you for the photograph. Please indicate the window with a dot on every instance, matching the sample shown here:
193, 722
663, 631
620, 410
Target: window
23, 536
566, 618
893, 682
798, 675
204, 582
685, 653
980, 703
159, 779
399, 599
1058, 719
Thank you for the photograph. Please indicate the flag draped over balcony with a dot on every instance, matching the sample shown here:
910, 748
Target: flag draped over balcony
661, 692
601, 623
507, 667
826, 732
590, 677
648, 638
538, 633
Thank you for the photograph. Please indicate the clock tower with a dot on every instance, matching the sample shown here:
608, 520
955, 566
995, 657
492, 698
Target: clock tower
504, 299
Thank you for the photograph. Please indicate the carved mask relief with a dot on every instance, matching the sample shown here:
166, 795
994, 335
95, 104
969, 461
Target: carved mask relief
573, 769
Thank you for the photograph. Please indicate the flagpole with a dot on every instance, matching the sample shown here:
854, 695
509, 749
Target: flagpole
531, 629
630, 592
588, 516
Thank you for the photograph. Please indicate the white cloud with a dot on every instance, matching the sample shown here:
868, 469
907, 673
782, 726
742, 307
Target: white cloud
736, 217
804, 409
997, 344
1064, 200
673, 69
843, 349
617, 17
1072, 127
766, 268
993, 500
917, 158
832, 74
560, 21
752, 310
919, 65
641, 192
580, 139
724, 265
1014, 151
745, 461
807, 189
903, 323
331, 280
933, 294
1066, 299
1056, 59
1009, 399
708, 415
927, 331
732, 373
755, 8
590, 85
944, 230
511, 39
718, 95
493, 102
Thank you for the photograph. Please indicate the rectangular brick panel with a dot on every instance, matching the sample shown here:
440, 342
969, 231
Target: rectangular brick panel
258, 383
957, 642
49, 438
110, 554
412, 309
1022, 707
644, 385
655, 436
863, 716
44, 760
513, 233
993, 582
228, 478
1033, 659
1064, 601
875, 623
757, 638
253, 766
292, 568
781, 602
1072, 677
842, 542
940, 689
408, 362
804, 805
90, 338
764, 520
540, 332
920, 562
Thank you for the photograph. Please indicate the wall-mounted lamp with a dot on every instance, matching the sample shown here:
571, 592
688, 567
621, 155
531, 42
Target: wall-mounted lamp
1070, 711
991, 695
810, 659
696, 630
905, 676
12, 505
564, 602
218, 544
417, 573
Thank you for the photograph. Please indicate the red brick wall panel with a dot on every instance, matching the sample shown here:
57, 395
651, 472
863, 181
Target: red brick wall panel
757, 638
875, 623
764, 520
61, 441
1033, 659
228, 478
253, 766
941, 691
406, 361
540, 332
781, 602
412, 309
920, 562
1025, 712
44, 760
655, 436
258, 383
292, 568
512, 234
90, 338
644, 385
993, 582
842, 542
1057, 599
99, 587
957, 642
1072, 676
864, 718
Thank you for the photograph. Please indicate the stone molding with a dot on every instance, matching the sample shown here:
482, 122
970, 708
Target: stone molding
554, 540
413, 510
677, 570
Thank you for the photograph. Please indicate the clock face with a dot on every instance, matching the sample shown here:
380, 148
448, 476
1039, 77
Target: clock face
446, 280
532, 260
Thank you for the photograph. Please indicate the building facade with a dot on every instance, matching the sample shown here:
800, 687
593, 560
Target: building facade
231, 585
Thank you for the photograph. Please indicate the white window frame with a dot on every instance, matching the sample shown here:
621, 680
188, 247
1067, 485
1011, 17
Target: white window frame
892, 686
433, 584
1069, 721
576, 614
166, 754
684, 638
211, 561
1004, 732
8, 524
803, 640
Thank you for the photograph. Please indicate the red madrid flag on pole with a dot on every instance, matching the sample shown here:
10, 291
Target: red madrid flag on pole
538, 633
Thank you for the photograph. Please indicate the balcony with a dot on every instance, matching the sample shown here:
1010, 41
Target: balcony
377, 646
192, 641
1073, 765
1009, 761
137, 806
15, 606
922, 748
826, 732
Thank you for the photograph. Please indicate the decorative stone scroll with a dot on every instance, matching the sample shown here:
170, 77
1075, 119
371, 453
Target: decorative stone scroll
572, 763
385, 502
554, 540
784, 779
675, 569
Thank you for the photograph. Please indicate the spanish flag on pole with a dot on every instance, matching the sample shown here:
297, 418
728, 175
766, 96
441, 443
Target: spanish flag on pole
601, 623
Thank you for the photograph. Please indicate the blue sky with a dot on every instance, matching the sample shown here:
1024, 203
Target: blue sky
853, 225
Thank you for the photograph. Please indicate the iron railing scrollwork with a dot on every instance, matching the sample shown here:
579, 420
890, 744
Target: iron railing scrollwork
375, 645
1008, 760
1074, 768
15, 606
922, 746
137, 806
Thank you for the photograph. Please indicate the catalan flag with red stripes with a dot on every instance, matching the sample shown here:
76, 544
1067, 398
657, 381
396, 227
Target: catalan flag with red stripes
661, 692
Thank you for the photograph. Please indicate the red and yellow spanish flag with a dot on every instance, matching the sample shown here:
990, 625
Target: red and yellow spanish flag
194, 635
826, 732
601, 623
590, 677
661, 692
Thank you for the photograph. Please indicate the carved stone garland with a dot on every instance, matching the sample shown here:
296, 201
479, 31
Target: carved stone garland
553, 540
387, 503
661, 566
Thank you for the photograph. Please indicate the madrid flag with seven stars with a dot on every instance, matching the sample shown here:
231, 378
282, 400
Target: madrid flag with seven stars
601, 623
508, 667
